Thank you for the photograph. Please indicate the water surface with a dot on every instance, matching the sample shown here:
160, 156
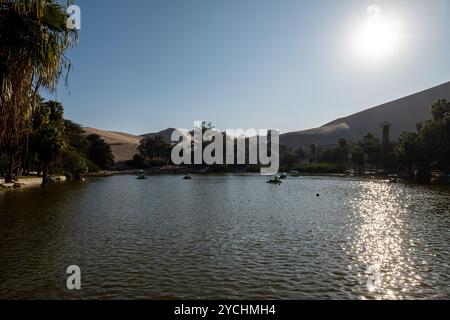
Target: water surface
230, 237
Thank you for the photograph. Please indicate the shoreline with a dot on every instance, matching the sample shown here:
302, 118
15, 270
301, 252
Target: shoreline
365, 177
34, 182
26, 182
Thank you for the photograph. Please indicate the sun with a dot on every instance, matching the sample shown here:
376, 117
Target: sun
378, 37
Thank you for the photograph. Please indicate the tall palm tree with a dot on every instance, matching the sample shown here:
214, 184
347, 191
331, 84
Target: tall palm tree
33, 38
386, 126
49, 134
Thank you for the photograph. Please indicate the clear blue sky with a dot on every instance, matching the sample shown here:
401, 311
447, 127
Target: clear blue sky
142, 66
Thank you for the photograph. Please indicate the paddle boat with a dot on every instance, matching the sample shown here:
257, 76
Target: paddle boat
142, 175
393, 178
275, 180
294, 173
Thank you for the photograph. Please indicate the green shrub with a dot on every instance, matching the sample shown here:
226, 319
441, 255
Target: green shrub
73, 164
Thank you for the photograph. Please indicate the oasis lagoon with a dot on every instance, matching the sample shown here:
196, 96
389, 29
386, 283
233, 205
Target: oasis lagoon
226, 237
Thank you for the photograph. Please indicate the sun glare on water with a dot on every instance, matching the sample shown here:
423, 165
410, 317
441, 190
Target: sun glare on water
378, 37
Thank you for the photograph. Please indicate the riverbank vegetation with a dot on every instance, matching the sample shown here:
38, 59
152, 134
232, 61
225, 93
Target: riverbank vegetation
34, 137
415, 155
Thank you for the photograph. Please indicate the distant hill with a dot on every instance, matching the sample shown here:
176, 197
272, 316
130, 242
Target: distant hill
403, 114
165, 134
124, 146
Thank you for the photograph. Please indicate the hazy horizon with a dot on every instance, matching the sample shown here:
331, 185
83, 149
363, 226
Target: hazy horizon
147, 66
282, 132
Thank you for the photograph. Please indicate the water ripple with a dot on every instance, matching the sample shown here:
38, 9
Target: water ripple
227, 237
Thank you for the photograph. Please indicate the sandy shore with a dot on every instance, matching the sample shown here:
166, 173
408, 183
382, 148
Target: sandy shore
26, 182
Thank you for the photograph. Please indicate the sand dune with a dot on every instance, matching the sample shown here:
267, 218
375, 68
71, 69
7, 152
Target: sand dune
113, 137
403, 114
124, 145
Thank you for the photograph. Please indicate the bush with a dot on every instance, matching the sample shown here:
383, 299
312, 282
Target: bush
73, 164
92, 167
138, 162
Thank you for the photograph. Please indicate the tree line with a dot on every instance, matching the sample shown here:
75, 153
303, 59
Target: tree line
34, 136
156, 152
414, 155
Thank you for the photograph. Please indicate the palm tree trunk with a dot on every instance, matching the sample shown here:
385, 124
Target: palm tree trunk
27, 157
45, 176
9, 173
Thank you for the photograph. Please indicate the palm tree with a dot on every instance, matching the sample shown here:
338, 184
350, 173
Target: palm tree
408, 151
99, 152
313, 153
154, 148
33, 39
439, 109
49, 135
386, 126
